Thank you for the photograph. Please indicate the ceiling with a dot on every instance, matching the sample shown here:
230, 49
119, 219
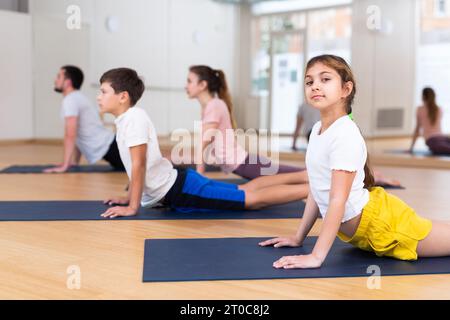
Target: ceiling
245, 1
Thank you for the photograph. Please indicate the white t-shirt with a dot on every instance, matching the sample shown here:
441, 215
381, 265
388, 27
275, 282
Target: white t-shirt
93, 139
135, 128
340, 147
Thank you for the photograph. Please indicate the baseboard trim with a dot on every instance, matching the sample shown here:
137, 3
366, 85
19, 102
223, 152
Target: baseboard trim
14, 142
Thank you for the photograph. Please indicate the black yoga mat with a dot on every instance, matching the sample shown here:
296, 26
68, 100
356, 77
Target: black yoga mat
242, 259
75, 169
91, 210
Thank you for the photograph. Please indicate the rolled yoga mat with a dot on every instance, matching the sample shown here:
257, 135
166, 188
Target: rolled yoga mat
242, 259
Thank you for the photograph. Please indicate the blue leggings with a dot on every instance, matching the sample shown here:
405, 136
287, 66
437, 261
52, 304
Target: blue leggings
194, 192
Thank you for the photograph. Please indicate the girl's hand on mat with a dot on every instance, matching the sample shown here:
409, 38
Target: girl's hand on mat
303, 262
117, 201
115, 212
282, 242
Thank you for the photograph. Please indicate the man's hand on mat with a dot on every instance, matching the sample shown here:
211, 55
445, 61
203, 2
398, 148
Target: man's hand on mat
117, 201
115, 212
303, 262
282, 242
58, 169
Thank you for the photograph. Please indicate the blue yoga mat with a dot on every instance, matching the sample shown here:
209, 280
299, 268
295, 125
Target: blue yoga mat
91, 210
422, 153
242, 181
84, 169
242, 259
208, 168
75, 169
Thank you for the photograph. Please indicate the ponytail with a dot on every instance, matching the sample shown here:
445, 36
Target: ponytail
429, 98
217, 84
369, 179
224, 94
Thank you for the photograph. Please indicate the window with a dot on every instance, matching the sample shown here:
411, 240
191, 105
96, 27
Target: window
262, 28
330, 32
432, 62
281, 45
440, 8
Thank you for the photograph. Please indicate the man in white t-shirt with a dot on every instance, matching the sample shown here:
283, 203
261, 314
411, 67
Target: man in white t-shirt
84, 133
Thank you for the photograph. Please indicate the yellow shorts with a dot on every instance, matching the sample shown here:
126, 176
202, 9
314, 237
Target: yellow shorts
389, 227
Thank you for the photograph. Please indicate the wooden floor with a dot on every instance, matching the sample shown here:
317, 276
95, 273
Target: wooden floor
35, 256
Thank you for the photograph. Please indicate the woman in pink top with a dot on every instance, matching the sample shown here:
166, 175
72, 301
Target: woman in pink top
210, 88
429, 118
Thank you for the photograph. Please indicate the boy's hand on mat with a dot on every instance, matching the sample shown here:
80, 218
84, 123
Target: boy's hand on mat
59, 169
115, 212
303, 262
117, 201
282, 242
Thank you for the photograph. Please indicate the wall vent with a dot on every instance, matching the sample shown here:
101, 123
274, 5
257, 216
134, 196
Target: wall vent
390, 118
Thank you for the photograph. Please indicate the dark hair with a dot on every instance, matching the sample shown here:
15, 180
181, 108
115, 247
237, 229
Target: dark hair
429, 98
125, 80
345, 73
217, 83
342, 68
75, 75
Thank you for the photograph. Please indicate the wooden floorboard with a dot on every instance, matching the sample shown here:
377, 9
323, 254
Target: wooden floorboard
35, 256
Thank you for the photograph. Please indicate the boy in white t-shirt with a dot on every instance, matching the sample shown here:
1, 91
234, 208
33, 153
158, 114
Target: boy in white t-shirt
153, 180
84, 133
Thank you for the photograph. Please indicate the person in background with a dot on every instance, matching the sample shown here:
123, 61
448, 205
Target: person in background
429, 117
307, 117
210, 88
84, 133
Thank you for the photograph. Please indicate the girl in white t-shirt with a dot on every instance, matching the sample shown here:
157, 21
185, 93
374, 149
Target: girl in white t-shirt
342, 186
210, 88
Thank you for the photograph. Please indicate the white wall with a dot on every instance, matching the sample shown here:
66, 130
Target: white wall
54, 46
384, 64
156, 37
16, 110
11, 5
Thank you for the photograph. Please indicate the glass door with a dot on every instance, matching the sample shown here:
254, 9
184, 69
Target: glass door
286, 79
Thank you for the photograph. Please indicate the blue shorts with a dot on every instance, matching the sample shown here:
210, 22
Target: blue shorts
194, 192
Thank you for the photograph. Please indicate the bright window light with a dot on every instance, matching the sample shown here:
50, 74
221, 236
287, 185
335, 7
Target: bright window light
268, 7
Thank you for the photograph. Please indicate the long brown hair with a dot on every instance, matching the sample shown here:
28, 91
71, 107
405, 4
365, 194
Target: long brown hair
345, 73
429, 99
217, 84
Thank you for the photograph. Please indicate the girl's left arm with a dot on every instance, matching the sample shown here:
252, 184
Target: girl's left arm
341, 184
